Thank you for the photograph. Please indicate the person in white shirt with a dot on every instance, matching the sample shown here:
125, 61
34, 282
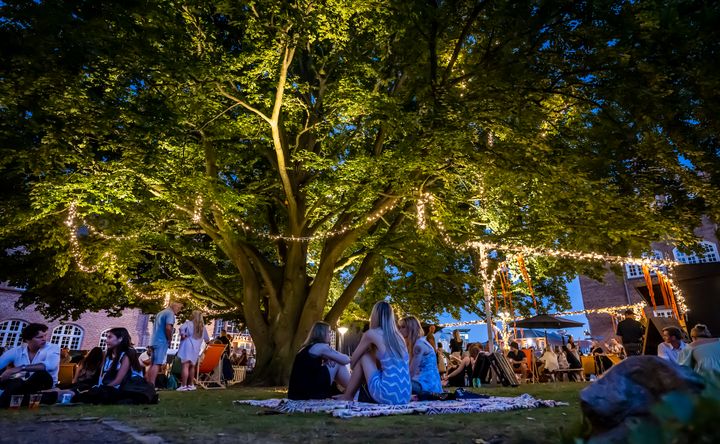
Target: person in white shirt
672, 344
35, 365
145, 357
549, 361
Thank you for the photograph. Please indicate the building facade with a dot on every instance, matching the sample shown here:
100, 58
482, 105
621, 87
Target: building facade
83, 334
631, 287
89, 330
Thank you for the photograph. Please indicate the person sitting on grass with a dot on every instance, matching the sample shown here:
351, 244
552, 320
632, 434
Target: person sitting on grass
121, 362
461, 373
424, 374
146, 357
35, 365
381, 360
317, 366
88, 371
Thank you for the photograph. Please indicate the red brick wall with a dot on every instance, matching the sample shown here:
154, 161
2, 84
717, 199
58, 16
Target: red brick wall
92, 324
613, 291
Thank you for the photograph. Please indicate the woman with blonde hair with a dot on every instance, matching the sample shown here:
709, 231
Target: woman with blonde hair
424, 374
381, 360
192, 336
317, 366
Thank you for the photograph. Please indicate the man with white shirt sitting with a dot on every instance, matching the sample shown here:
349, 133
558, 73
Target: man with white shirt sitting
672, 344
35, 365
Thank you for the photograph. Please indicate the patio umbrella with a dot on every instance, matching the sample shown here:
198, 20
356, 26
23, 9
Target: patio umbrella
546, 321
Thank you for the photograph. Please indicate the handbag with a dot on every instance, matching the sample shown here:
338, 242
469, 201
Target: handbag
137, 389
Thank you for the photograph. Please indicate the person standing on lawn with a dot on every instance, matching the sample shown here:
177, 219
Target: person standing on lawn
192, 336
161, 338
631, 333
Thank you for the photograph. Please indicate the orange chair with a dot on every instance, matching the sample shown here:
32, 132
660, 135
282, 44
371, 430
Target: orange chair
588, 363
66, 372
209, 368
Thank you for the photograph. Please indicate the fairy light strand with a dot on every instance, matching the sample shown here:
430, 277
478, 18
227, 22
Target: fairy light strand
613, 311
652, 263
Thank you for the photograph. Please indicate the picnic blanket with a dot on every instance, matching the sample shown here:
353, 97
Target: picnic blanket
354, 409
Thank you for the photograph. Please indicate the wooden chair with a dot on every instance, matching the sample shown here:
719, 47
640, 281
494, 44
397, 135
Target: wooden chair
66, 372
209, 368
531, 362
240, 371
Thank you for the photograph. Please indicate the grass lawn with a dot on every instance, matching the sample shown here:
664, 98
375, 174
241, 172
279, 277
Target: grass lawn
209, 415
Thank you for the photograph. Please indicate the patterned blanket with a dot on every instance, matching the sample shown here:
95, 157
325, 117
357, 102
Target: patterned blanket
353, 409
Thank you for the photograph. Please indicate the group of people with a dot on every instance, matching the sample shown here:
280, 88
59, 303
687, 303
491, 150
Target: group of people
392, 361
101, 376
33, 368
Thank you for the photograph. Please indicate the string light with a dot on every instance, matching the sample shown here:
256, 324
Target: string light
506, 318
372, 218
420, 205
482, 247
197, 212
424, 201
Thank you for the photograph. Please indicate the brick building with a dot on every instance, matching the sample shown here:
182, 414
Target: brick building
631, 288
88, 331
85, 333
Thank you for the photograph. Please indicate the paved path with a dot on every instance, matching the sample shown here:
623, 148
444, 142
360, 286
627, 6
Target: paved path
87, 430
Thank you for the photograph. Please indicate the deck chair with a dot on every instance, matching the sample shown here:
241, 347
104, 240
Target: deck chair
209, 368
588, 363
66, 372
240, 371
531, 365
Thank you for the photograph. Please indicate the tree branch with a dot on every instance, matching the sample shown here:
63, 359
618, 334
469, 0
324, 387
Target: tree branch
244, 105
281, 153
366, 268
461, 38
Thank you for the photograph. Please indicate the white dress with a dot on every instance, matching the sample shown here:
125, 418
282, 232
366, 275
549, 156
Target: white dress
190, 347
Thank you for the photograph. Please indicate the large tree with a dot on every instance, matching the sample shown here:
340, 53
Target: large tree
269, 160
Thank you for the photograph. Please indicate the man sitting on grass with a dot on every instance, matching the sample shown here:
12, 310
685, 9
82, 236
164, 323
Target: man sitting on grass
35, 365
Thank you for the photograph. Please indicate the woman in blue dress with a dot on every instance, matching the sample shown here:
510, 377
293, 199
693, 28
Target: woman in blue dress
424, 372
381, 360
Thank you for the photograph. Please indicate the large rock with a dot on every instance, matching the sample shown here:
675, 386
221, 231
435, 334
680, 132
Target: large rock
630, 388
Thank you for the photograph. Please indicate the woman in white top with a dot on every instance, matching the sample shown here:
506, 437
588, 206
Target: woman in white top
192, 336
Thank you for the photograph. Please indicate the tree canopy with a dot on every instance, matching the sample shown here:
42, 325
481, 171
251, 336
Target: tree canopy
269, 160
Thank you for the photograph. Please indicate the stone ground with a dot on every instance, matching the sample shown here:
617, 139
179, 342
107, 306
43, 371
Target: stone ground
86, 430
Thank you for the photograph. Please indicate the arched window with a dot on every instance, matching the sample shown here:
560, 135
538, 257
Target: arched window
103, 340
635, 271
10, 333
710, 255
175, 341
67, 335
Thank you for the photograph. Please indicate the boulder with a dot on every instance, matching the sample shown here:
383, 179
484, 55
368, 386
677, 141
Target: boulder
629, 389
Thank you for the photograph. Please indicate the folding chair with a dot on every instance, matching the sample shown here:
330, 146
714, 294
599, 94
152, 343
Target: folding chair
209, 369
240, 371
66, 372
